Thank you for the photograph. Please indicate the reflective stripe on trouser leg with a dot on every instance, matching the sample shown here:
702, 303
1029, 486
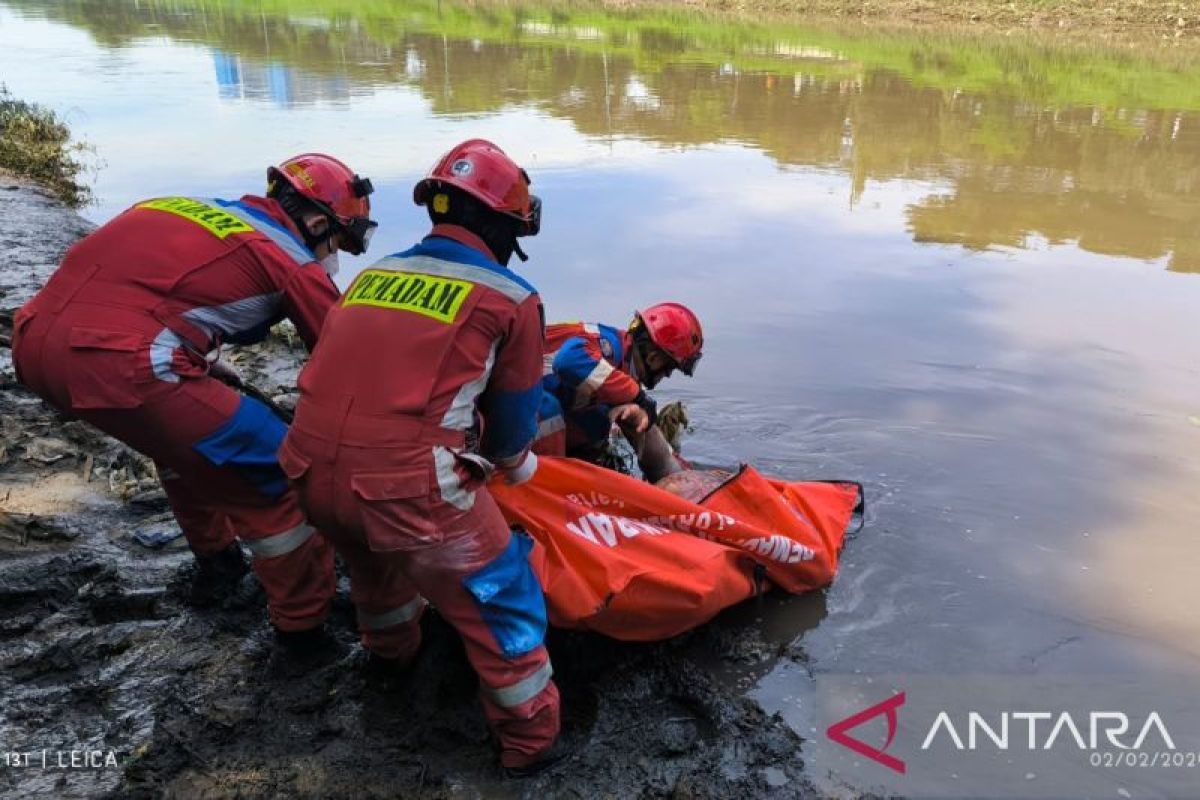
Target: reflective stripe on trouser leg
397, 616
526, 730
523, 690
394, 634
295, 568
280, 544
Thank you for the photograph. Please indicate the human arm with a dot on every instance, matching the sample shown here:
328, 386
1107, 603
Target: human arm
509, 404
582, 369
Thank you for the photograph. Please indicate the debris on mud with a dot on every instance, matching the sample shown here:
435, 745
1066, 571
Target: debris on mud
23, 527
101, 653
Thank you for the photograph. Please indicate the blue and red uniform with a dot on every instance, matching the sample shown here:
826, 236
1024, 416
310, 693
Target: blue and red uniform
586, 372
118, 338
425, 344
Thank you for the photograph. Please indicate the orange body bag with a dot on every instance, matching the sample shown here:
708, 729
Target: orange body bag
621, 557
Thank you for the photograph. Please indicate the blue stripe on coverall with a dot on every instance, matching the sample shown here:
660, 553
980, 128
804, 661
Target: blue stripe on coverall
510, 598
249, 442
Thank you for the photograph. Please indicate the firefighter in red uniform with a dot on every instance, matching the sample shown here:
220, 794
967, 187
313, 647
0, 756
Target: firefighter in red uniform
424, 345
124, 336
596, 375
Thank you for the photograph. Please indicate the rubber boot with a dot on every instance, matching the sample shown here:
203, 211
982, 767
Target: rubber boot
308, 645
557, 753
217, 576
299, 653
387, 674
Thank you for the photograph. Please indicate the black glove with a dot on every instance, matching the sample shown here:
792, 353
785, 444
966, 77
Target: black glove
647, 404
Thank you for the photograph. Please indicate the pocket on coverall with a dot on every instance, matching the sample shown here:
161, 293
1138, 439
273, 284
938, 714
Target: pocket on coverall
294, 465
103, 368
396, 509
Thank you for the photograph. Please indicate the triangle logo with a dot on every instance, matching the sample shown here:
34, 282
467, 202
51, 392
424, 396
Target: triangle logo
838, 732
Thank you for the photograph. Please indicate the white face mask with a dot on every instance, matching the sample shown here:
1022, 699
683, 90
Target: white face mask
330, 264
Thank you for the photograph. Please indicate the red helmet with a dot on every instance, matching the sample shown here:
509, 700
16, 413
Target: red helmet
675, 330
335, 189
484, 171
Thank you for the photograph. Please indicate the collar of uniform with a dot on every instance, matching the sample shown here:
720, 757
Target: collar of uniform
451, 243
458, 233
271, 209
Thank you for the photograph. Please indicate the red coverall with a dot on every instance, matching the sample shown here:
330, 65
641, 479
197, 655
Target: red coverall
421, 342
117, 338
586, 372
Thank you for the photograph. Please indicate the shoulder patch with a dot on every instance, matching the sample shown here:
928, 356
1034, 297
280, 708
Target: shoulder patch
434, 296
218, 222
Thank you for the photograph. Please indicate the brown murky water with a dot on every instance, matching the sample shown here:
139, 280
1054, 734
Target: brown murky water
960, 270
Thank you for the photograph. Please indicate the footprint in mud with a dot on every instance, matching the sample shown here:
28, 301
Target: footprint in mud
50, 586
110, 604
79, 654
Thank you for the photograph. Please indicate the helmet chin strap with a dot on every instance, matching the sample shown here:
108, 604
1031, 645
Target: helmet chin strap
518, 251
644, 376
295, 206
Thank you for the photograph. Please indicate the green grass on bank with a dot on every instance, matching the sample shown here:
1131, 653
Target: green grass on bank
36, 144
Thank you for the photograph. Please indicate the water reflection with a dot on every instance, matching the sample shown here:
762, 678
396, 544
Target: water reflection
1020, 417
1027, 145
281, 85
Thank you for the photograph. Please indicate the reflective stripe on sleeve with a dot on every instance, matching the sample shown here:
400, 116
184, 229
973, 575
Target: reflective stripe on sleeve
280, 544
397, 616
461, 413
548, 427
592, 383
448, 481
286, 240
523, 690
162, 355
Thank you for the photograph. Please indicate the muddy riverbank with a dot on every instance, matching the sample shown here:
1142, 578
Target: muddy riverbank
103, 665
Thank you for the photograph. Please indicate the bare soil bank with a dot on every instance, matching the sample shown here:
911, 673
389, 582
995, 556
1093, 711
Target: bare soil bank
1118, 19
102, 661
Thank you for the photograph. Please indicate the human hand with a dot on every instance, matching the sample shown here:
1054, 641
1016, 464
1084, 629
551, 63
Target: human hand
630, 416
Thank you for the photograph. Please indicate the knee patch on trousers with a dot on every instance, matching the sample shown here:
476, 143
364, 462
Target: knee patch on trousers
510, 598
249, 442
